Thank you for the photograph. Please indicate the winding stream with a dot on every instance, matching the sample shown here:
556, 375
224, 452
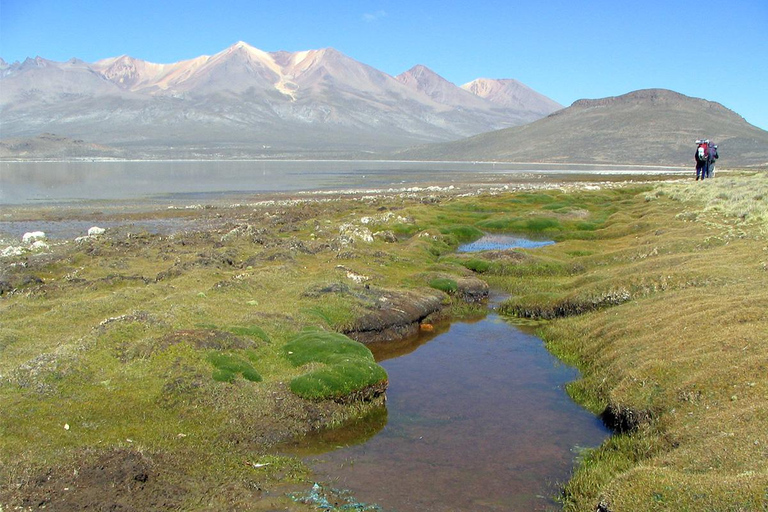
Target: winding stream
476, 420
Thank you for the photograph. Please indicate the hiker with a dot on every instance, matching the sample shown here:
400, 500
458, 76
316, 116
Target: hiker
711, 161
702, 158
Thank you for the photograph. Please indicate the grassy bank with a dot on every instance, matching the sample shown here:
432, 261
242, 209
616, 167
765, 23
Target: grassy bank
664, 309
165, 371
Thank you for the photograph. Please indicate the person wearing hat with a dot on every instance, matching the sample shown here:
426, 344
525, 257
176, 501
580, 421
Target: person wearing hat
711, 160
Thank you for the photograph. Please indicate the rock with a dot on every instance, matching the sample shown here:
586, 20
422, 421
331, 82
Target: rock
29, 280
39, 245
12, 251
387, 236
31, 236
396, 315
354, 276
5, 287
472, 289
350, 233
96, 231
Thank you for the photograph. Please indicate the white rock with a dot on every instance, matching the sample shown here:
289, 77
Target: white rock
352, 232
31, 236
12, 251
96, 231
39, 245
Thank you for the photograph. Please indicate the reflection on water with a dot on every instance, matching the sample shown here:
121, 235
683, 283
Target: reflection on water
501, 242
477, 420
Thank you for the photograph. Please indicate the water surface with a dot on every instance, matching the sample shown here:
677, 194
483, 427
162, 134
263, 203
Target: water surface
476, 419
62, 182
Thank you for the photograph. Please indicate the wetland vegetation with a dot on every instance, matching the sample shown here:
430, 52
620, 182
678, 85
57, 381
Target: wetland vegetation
159, 371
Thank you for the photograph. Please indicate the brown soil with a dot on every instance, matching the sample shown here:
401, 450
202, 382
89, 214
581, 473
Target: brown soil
114, 480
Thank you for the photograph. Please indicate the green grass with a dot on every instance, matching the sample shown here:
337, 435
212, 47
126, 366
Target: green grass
662, 313
444, 284
348, 366
229, 366
253, 331
477, 265
462, 233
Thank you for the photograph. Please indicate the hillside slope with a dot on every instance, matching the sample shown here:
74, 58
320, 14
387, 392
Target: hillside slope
649, 127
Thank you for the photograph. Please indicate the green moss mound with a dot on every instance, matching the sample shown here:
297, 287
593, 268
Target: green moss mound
228, 366
477, 265
517, 224
444, 284
462, 233
253, 331
349, 368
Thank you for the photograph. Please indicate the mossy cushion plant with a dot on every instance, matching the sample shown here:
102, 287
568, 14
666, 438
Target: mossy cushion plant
228, 366
348, 366
444, 284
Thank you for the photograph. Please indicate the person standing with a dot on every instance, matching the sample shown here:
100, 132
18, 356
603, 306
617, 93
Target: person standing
702, 157
711, 160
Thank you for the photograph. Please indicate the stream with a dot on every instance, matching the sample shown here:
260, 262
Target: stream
477, 419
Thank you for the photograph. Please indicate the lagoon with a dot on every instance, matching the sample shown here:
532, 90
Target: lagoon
186, 182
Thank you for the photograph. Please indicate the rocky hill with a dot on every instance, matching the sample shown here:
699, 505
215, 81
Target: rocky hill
243, 102
649, 127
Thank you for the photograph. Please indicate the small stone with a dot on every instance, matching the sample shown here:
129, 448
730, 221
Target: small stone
66, 426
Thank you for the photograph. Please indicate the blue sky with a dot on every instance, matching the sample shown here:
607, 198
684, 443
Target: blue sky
566, 50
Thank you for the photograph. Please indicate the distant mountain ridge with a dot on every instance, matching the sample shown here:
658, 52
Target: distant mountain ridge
244, 101
511, 93
646, 127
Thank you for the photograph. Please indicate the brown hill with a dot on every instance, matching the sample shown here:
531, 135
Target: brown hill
48, 145
649, 127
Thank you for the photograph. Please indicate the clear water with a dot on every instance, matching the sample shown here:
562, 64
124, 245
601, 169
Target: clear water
476, 420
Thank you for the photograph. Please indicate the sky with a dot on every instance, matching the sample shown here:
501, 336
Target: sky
566, 50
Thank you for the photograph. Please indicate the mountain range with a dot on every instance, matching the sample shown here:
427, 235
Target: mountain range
245, 102
647, 127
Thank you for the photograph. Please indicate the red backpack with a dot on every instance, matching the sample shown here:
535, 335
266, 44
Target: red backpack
702, 154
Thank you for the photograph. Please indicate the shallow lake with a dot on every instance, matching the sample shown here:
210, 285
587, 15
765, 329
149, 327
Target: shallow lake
476, 419
63, 182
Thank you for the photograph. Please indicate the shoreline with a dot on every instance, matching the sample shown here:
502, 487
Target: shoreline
341, 160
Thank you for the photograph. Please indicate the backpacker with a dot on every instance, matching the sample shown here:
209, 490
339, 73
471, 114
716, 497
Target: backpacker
702, 153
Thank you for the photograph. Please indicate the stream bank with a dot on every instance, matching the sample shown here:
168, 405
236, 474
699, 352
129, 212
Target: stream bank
476, 419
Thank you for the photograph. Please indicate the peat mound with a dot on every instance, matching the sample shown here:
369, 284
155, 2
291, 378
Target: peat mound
472, 289
397, 314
